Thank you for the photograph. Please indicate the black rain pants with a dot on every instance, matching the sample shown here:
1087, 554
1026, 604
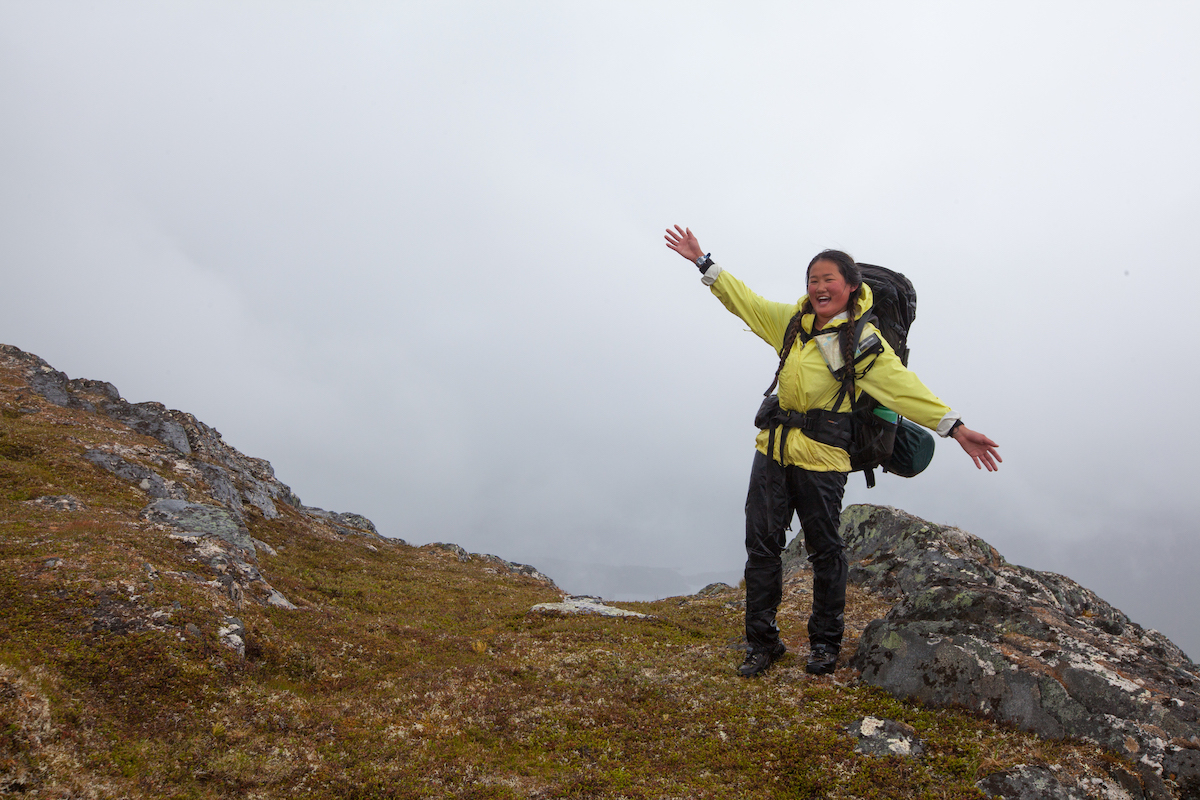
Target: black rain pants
775, 493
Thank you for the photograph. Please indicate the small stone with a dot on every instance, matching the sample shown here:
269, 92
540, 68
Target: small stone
62, 502
883, 737
277, 600
232, 634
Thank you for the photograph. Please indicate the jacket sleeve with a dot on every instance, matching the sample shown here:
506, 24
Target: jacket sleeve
766, 319
897, 387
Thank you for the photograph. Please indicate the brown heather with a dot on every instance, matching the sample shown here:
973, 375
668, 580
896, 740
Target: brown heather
404, 673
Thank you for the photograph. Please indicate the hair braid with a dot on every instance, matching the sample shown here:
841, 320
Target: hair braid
789, 338
847, 340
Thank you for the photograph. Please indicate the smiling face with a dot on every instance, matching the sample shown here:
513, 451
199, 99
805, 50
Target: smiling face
828, 292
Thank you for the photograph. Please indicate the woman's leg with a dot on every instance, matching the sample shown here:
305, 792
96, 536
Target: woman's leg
818, 499
768, 514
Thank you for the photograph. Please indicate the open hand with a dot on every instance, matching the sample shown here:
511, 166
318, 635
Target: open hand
683, 241
980, 448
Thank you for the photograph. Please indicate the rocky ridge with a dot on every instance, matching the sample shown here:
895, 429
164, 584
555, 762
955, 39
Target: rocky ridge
203, 490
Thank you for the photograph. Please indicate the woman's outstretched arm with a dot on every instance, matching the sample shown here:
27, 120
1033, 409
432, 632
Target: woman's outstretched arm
980, 448
683, 241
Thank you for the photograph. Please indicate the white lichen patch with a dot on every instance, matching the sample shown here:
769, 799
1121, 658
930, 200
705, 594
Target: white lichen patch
986, 666
1096, 668
871, 726
183, 467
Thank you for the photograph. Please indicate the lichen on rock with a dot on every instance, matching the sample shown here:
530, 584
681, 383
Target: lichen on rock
1033, 649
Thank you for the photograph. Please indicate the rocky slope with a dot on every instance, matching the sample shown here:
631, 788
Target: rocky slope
1028, 648
178, 624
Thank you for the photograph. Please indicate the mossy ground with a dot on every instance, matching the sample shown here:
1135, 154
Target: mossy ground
404, 672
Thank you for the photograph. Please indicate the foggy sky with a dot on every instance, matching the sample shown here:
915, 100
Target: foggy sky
411, 253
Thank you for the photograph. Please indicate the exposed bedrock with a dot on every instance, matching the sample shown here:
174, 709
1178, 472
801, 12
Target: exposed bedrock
1034, 649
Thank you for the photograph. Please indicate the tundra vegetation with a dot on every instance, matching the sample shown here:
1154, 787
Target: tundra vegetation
402, 671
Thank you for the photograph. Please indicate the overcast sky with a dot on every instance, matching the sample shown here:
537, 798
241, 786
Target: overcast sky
411, 253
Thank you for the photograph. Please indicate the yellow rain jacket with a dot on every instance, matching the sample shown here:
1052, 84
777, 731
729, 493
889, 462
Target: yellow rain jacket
805, 381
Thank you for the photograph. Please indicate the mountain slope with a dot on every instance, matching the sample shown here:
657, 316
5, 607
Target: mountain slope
178, 624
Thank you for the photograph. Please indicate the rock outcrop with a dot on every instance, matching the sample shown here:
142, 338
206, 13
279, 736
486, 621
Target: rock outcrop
583, 604
497, 564
202, 489
191, 448
1030, 648
1027, 782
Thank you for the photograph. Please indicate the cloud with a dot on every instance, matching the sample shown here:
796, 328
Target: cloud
413, 256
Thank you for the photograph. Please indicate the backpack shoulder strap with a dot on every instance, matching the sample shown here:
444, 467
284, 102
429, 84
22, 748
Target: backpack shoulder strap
848, 376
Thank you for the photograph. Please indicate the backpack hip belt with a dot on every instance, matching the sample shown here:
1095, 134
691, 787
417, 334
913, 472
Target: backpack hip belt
821, 425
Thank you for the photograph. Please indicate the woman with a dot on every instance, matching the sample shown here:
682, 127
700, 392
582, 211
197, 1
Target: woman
800, 474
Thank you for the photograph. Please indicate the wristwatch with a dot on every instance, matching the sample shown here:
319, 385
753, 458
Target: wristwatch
704, 262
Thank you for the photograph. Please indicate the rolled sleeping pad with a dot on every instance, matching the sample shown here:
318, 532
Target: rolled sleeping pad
912, 451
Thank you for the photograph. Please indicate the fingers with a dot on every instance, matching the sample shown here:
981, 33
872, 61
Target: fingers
984, 456
679, 235
982, 451
989, 458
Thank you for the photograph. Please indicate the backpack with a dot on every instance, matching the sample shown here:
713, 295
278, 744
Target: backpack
874, 436
894, 307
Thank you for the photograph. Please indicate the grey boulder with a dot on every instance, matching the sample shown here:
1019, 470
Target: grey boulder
1033, 649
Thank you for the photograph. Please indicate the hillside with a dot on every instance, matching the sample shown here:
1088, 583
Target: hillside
178, 624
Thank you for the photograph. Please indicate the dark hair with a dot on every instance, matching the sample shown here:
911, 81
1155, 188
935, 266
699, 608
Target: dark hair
850, 272
845, 264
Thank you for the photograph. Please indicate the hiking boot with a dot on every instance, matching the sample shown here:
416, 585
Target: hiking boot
759, 661
821, 661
